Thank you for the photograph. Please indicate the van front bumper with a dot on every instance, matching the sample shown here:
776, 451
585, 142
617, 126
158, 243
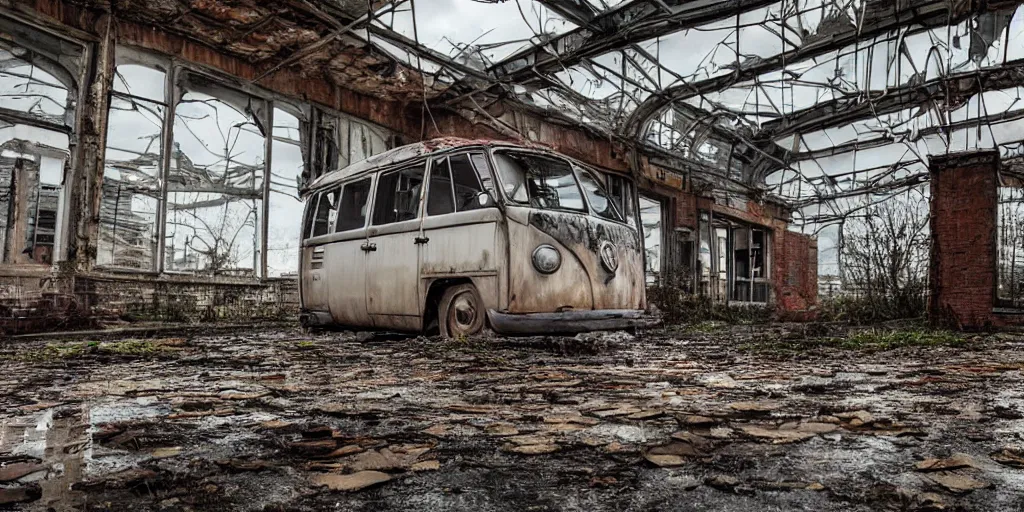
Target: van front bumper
569, 321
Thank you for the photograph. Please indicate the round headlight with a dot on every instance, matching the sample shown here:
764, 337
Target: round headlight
546, 259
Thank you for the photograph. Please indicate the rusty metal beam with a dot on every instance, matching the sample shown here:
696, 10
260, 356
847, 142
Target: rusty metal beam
950, 90
633, 23
885, 140
928, 14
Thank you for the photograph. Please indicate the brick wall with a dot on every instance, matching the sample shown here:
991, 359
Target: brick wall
795, 275
44, 301
964, 204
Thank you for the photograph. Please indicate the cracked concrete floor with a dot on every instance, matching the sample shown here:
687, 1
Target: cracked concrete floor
671, 419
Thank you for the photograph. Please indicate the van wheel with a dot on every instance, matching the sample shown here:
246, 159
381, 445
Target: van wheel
461, 311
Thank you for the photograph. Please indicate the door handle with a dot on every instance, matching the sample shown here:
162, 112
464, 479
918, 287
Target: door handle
368, 247
420, 240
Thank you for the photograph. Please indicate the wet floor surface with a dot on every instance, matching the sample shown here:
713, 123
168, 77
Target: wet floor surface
278, 419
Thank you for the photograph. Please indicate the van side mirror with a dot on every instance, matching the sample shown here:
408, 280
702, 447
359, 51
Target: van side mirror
485, 199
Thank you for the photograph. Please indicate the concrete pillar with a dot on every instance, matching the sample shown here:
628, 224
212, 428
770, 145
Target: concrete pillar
964, 204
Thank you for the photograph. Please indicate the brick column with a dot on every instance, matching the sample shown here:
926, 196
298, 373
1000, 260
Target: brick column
795, 275
964, 203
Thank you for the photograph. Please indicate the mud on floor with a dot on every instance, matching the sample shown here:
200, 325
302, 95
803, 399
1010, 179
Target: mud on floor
672, 419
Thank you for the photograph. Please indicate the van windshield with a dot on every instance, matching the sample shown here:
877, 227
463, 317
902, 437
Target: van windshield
539, 181
548, 183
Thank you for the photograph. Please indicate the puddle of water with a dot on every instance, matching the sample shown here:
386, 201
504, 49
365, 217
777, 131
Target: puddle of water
62, 441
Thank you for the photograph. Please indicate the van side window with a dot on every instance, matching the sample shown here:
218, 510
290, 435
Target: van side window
439, 197
354, 200
466, 183
398, 196
601, 204
326, 212
483, 170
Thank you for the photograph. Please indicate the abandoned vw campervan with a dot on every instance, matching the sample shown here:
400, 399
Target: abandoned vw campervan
457, 235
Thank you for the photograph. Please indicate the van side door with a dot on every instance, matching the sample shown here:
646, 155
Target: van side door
345, 257
461, 234
392, 247
320, 215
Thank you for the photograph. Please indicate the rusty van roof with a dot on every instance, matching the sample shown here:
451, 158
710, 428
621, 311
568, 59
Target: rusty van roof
407, 153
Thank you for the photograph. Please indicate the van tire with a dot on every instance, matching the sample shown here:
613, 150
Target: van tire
461, 312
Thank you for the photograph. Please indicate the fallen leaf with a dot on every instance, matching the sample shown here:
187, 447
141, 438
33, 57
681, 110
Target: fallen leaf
1010, 456
166, 453
957, 482
353, 482
754, 407
957, 461
427, 465
530, 449
776, 436
501, 429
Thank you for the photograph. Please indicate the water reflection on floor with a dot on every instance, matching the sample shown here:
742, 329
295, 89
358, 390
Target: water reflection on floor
54, 448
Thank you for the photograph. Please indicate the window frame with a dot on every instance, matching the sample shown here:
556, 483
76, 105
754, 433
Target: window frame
423, 164
371, 192
310, 116
79, 93
538, 154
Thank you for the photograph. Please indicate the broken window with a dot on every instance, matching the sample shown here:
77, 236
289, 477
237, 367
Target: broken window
1010, 221
355, 199
440, 198
600, 202
326, 213
398, 196
750, 270
38, 77
465, 183
483, 171
542, 182
287, 168
651, 220
215, 181
133, 166
235, 154
341, 141
621, 191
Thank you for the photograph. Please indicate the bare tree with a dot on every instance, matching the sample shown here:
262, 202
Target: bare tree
884, 255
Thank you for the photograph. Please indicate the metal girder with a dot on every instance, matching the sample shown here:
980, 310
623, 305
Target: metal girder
952, 90
576, 11
928, 13
886, 140
638, 21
